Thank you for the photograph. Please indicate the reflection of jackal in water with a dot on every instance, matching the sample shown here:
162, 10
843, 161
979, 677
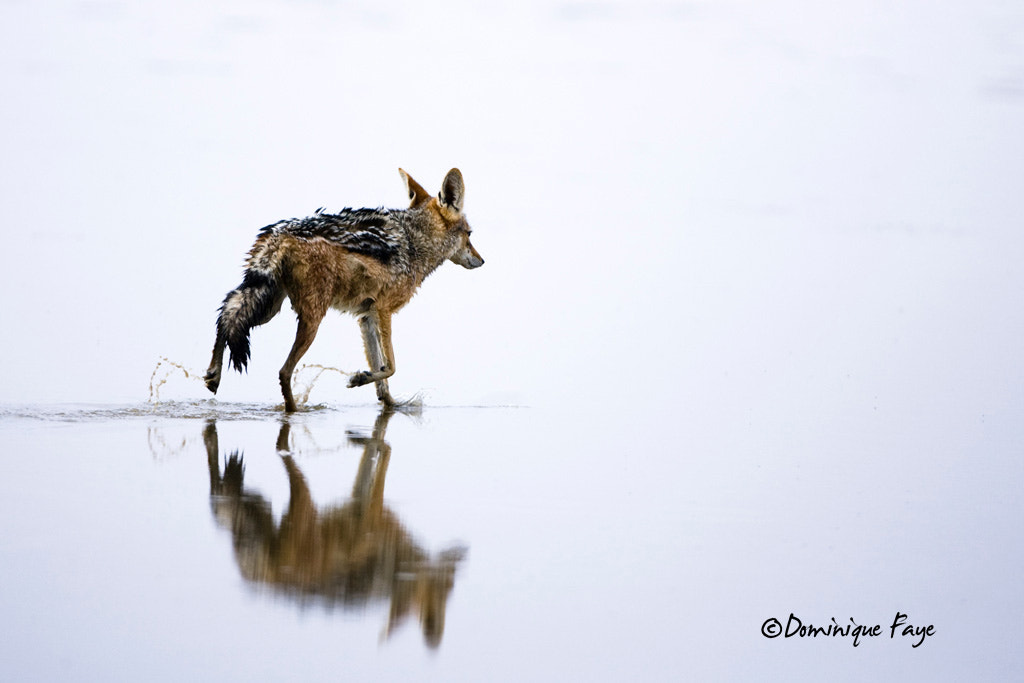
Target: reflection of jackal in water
349, 554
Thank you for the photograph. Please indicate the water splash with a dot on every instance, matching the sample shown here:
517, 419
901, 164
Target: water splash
304, 380
302, 395
170, 367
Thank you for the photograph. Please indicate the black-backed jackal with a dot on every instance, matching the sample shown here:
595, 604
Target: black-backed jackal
368, 262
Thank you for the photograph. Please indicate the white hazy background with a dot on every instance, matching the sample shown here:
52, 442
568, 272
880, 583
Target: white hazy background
706, 201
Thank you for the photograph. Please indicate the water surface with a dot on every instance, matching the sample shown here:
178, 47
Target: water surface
208, 540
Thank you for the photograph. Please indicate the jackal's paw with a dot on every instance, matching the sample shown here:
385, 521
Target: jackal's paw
360, 378
212, 380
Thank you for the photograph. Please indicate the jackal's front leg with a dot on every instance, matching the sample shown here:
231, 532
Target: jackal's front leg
376, 329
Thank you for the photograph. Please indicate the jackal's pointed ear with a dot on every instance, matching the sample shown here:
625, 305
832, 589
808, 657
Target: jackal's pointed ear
453, 191
417, 195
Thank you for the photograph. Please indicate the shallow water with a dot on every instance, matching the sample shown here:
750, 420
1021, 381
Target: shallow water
213, 540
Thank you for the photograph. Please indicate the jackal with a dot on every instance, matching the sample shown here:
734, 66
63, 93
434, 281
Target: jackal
347, 555
368, 262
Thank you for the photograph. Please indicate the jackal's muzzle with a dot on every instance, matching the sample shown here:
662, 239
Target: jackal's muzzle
468, 257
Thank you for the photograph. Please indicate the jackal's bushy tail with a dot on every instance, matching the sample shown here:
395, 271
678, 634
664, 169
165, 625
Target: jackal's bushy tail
253, 303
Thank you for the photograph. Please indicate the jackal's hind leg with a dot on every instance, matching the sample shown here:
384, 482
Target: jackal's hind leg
212, 376
376, 331
303, 339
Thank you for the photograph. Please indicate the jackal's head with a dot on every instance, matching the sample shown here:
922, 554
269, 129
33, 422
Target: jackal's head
449, 208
